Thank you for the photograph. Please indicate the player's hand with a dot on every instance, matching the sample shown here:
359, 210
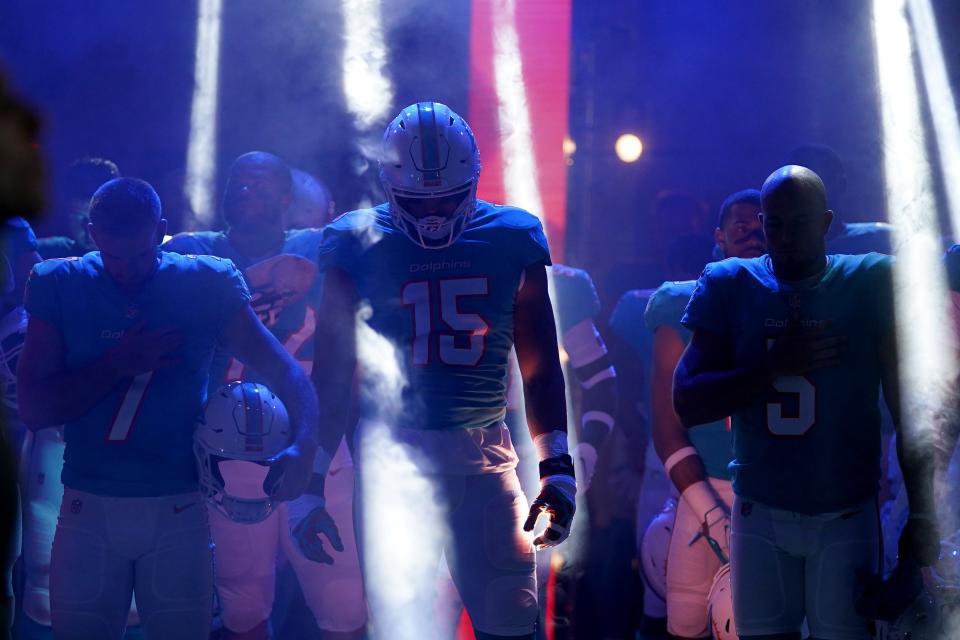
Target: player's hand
308, 530
290, 472
799, 351
557, 500
141, 350
920, 540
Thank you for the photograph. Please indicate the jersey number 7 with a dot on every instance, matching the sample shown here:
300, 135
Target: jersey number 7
418, 296
129, 408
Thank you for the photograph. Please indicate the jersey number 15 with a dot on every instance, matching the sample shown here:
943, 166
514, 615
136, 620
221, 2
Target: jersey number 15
446, 294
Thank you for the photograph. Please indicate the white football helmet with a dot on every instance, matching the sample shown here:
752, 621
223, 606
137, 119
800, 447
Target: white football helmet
655, 546
243, 421
720, 606
429, 168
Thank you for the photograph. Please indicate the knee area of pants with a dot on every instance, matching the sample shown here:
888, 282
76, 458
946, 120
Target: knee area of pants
505, 544
341, 606
509, 607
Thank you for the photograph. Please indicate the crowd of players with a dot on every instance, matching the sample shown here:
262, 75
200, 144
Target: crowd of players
734, 463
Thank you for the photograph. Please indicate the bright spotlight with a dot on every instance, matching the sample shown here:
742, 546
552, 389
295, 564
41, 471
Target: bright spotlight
202, 148
569, 146
629, 148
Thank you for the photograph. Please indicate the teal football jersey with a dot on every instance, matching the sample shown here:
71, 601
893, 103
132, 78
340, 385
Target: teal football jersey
809, 443
575, 298
294, 326
711, 440
138, 439
627, 323
447, 312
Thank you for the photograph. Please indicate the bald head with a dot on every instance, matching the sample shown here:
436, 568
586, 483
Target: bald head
795, 221
796, 186
258, 192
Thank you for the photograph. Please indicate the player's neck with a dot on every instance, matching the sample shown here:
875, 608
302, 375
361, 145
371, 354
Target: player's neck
801, 274
255, 243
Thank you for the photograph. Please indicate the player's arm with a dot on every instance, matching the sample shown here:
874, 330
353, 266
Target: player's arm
334, 366
706, 385
670, 439
335, 356
251, 343
915, 451
50, 393
594, 370
535, 338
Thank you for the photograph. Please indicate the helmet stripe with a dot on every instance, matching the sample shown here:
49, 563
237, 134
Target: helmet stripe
253, 408
429, 143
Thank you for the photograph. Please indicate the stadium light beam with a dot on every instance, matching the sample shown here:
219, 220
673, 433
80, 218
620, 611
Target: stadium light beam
520, 177
941, 104
927, 368
202, 146
366, 88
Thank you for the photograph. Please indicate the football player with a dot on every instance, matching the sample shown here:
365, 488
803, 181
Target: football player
577, 308
451, 283
794, 346
280, 269
633, 348
118, 349
696, 462
312, 205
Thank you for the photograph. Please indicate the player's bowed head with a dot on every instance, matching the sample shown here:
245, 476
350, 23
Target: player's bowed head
429, 169
127, 226
795, 221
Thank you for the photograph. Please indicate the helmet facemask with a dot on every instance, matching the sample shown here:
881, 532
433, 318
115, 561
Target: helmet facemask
447, 214
429, 168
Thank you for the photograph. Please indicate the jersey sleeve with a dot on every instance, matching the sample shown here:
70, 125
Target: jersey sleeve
666, 307
577, 298
708, 305
225, 287
627, 319
41, 297
882, 287
17, 237
339, 246
184, 244
533, 245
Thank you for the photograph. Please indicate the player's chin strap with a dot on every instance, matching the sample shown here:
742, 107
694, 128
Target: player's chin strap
558, 490
713, 516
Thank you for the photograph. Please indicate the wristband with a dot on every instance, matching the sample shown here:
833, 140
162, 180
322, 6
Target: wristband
557, 466
674, 458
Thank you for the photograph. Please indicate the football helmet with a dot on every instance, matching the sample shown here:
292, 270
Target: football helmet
429, 168
242, 422
654, 547
933, 615
720, 606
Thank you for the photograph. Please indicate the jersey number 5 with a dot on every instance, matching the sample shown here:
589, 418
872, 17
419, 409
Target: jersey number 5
418, 295
805, 396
